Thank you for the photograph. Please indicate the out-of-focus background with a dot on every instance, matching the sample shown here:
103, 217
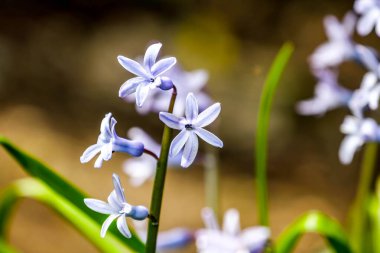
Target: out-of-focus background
59, 76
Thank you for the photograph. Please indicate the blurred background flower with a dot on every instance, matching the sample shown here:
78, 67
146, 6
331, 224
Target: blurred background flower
59, 75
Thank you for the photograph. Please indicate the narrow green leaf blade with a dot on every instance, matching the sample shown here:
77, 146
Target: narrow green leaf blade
267, 95
314, 222
39, 170
36, 189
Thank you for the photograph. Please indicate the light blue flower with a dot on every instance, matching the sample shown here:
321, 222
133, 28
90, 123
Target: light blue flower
358, 132
367, 95
370, 16
328, 95
149, 74
117, 208
109, 142
191, 126
339, 47
229, 239
186, 82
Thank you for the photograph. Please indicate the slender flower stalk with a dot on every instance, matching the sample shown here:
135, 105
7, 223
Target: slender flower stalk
159, 183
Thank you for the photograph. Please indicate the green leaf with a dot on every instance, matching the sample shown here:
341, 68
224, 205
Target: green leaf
36, 189
313, 222
267, 95
5, 248
60, 185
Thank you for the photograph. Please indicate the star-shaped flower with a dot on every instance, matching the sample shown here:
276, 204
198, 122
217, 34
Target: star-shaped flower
328, 95
117, 208
367, 95
370, 16
191, 126
358, 131
149, 75
230, 239
340, 46
109, 142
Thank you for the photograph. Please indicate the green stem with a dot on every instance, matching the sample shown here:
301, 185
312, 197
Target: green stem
267, 95
359, 218
159, 183
211, 174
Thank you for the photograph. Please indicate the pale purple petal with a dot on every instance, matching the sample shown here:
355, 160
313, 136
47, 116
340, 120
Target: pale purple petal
90, 153
105, 126
209, 219
151, 55
367, 57
334, 29
373, 99
378, 27
369, 81
255, 238
98, 162
231, 222
140, 169
133, 66
174, 238
114, 202
348, 148
350, 125
190, 151
118, 188
107, 223
191, 111
123, 227
178, 142
137, 134
99, 206
131, 85
209, 137
163, 65
349, 22
208, 116
367, 22
142, 93
171, 120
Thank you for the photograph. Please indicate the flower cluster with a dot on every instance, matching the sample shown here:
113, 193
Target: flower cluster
330, 94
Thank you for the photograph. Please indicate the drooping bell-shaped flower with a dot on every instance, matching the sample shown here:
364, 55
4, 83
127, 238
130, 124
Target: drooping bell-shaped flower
117, 208
149, 74
109, 142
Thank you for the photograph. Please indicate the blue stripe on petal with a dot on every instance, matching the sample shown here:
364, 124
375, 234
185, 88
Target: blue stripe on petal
171, 120
133, 66
123, 227
131, 85
190, 151
191, 110
118, 188
209, 137
178, 142
163, 65
208, 116
151, 55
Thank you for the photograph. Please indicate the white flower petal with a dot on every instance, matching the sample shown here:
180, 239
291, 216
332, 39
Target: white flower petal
367, 57
171, 120
107, 223
99, 206
209, 219
367, 22
163, 65
231, 222
133, 66
191, 111
123, 227
209, 137
114, 202
151, 55
348, 147
131, 85
142, 93
178, 142
98, 162
190, 150
350, 125
118, 188
255, 238
208, 116
90, 153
